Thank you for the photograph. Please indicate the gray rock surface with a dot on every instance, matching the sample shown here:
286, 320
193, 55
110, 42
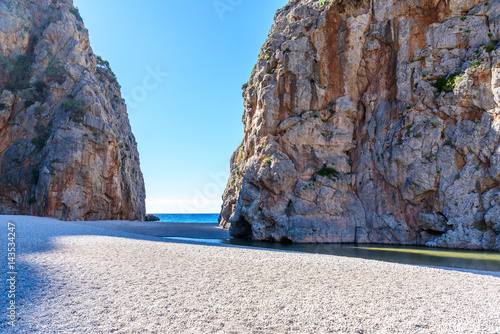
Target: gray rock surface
372, 122
66, 147
151, 218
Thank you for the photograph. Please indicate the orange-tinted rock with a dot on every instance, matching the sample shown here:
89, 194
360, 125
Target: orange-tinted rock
372, 122
66, 147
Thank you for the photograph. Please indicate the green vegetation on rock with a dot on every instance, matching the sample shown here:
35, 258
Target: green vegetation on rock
447, 84
38, 93
75, 107
41, 140
75, 11
104, 64
329, 172
56, 72
491, 46
17, 72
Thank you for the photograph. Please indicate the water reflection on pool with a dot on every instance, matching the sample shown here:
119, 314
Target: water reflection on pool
470, 260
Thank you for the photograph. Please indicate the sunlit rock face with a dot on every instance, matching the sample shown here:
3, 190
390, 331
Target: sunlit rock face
372, 122
66, 147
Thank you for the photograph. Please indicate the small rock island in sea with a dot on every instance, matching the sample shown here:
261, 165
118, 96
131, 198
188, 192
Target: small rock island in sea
66, 147
373, 122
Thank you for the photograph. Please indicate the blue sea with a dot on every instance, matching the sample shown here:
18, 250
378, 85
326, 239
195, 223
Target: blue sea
203, 218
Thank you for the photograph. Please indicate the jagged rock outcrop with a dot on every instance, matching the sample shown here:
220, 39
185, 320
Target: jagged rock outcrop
152, 218
373, 122
66, 147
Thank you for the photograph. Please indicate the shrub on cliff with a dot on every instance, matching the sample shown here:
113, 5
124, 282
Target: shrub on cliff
56, 72
5, 66
38, 93
75, 107
41, 140
447, 84
329, 172
107, 71
18, 72
491, 46
75, 11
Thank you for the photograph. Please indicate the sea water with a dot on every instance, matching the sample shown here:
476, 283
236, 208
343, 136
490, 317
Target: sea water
201, 218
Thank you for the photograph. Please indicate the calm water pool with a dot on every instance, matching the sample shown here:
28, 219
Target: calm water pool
469, 260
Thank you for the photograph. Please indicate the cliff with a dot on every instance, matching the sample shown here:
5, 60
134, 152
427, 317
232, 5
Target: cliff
66, 147
373, 122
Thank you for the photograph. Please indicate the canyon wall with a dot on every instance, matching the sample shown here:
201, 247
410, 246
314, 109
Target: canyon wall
372, 122
66, 147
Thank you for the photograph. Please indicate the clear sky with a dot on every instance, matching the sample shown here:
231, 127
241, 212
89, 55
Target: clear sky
181, 65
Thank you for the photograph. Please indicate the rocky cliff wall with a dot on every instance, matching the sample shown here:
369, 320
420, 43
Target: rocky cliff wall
66, 147
373, 122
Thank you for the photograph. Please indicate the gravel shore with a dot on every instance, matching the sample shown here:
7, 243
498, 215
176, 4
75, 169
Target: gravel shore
85, 279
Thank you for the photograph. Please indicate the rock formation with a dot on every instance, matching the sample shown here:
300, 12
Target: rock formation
373, 122
66, 147
152, 218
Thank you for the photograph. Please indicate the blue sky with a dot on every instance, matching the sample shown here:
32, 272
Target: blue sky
181, 65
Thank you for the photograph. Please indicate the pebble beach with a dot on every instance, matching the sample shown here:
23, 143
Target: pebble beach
74, 278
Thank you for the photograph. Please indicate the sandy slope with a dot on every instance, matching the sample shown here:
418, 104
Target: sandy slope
84, 279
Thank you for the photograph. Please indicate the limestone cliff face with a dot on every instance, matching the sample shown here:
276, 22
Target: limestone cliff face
373, 122
66, 147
